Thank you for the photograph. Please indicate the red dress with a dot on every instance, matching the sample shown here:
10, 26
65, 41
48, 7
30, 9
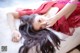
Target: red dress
62, 25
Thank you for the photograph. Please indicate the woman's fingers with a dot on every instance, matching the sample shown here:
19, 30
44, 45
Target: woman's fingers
16, 37
48, 26
48, 22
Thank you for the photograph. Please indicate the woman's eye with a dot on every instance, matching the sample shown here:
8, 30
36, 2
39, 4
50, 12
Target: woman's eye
39, 20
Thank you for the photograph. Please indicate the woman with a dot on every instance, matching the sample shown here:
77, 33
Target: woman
58, 15
63, 14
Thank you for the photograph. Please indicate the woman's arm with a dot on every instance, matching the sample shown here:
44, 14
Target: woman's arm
11, 21
68, 8
65, 11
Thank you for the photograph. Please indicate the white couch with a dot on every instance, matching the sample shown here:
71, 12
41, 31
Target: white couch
70, 42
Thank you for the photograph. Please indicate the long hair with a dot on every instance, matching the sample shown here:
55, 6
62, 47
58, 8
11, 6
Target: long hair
44, 37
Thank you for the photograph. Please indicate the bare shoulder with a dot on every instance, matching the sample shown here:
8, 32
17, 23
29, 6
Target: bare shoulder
52, 11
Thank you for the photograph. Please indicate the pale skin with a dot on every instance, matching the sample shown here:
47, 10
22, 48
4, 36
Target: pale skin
41, 20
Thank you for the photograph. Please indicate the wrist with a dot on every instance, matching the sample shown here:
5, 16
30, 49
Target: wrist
14, 30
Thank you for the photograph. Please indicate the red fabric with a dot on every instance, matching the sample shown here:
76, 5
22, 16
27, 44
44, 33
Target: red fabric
74, 19
41, 10
62, 24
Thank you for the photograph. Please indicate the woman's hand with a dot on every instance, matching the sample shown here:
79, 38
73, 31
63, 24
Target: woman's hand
50, 22
16, 36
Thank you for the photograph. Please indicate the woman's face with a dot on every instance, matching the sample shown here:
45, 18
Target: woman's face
39, 22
